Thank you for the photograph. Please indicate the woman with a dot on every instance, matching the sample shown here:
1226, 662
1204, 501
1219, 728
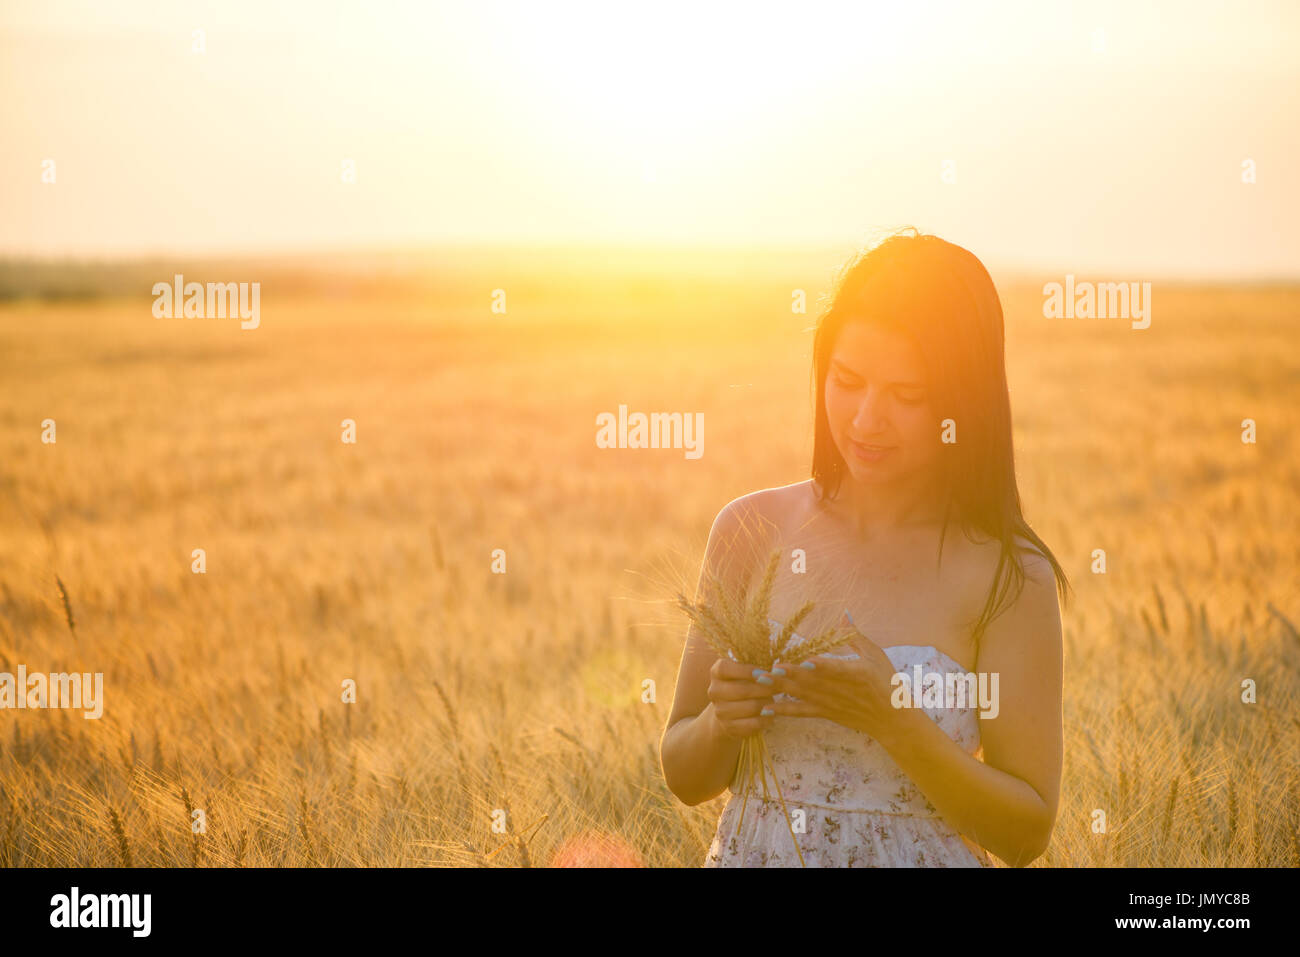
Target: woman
912, 435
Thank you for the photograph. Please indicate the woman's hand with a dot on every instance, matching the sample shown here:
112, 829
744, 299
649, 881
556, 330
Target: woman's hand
739, 699
854, 693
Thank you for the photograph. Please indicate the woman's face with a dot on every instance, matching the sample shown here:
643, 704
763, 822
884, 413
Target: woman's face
877, 405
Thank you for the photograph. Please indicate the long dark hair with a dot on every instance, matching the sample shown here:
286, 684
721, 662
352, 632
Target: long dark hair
942, 298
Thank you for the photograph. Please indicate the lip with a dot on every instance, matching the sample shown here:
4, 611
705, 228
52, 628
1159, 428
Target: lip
867, 453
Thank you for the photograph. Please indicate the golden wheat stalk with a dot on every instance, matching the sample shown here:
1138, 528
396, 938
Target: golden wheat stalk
739, 627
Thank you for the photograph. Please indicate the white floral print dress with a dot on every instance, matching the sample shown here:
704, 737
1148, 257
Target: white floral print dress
860, 810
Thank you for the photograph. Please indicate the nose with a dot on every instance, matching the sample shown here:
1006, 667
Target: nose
870, 417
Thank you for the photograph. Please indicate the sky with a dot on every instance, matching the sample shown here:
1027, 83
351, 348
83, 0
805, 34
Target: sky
1085, 137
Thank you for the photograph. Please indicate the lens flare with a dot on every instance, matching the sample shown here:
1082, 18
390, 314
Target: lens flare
596, 849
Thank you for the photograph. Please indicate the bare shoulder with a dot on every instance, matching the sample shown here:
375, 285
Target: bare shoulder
750, 526
1035, 564
1038, 601
983, 562
766, 510
1034, 619
983, 555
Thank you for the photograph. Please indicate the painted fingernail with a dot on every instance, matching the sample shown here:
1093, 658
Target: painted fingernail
764, 680
757, 672
807, 664
767, 711
778, 671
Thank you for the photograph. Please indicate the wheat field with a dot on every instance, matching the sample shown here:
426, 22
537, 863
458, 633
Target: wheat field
516, 699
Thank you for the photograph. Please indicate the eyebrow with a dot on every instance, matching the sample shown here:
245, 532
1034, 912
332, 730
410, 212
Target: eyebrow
836, 364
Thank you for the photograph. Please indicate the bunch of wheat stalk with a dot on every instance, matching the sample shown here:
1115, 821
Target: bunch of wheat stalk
738, 627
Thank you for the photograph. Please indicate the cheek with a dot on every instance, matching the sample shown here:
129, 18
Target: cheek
835, 405
921, 429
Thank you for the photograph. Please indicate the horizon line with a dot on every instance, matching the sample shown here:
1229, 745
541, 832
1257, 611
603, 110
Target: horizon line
845, 249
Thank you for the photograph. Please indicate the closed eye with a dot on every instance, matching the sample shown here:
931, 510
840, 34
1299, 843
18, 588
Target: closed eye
904, 394
907, 398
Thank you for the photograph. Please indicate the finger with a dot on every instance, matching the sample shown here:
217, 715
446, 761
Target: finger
736, 710
859, 642
740, 690
812, 671
790, 708
789, 678
747, 714
807, 678
735, 670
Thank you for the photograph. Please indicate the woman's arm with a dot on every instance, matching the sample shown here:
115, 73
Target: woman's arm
698, 760
1008, 802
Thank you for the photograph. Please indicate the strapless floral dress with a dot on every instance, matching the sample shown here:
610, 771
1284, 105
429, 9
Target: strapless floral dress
859, 809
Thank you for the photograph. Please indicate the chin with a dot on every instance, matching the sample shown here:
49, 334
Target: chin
868, 476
